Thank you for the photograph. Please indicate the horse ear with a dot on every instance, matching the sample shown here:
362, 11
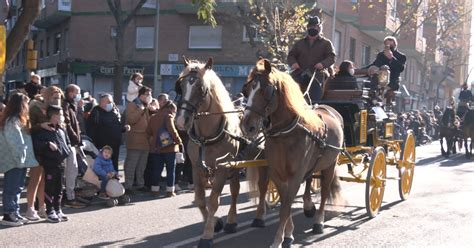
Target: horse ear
185, 61
209, 63
268, 65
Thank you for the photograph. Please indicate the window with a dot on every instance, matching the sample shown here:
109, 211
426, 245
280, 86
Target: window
352, 49
150, 4
66, 40
337, 43
57, 43
48, 40
145, 38
365, 55
393, 8
252, 31
205, 37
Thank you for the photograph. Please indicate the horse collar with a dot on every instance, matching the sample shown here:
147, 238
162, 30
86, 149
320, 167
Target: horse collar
203, 141
283, 131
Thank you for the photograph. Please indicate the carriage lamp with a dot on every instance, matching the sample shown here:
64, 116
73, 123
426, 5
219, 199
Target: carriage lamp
384, 75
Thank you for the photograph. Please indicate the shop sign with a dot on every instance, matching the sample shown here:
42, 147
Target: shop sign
221, 70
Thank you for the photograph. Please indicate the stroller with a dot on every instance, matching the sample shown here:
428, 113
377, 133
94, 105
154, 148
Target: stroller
114, 188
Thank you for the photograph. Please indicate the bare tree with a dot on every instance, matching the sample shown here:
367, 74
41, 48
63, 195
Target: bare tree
122, 21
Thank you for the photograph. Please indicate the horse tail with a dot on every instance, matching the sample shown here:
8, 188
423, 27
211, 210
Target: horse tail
252, 180
335, 195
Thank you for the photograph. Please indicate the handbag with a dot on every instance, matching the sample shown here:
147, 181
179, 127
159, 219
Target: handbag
180, 159
164, 137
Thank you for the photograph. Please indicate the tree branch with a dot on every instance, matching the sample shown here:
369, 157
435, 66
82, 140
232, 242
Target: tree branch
134, 12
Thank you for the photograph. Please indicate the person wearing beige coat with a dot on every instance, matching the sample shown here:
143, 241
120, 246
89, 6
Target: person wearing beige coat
137, 114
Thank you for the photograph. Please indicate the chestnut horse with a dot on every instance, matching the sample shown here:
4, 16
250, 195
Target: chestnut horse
299, 141
212, 138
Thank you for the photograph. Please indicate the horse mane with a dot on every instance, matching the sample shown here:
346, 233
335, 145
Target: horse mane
291, 95
217, 90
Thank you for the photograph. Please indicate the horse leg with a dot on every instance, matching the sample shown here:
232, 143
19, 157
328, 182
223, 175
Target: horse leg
289, 238
231, 225
213, 224
454, 145
327, 177
443, 153
287, 193
199, 192
308, 205
262, 188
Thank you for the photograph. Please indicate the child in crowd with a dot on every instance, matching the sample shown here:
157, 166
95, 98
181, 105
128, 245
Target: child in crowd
104, 169
51, 149
134, 85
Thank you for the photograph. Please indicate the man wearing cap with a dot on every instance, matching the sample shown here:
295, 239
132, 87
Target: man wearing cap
313, 53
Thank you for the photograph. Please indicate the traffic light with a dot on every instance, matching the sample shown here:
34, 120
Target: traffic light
31, 56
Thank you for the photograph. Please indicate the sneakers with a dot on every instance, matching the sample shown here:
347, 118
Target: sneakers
22, 219
103, 196
53, 217
11, 220
42, 213
74, 204
62, 216
32, 215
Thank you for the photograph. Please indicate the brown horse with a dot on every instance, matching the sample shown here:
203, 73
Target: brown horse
213, 138
468, 131
448, 131
299, 141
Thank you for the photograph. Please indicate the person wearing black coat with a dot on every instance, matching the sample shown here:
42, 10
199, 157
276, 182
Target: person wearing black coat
394, 59
105, 126
51, 148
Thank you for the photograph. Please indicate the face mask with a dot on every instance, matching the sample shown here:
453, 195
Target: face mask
313, 32
392, 49
61, 120
109, 107
77, 98
148, 99
351, 71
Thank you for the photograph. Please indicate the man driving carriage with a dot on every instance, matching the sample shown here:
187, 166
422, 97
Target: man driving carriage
395, 60
465, 99
313, 54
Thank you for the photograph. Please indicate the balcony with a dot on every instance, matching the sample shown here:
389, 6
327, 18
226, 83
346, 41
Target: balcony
53, 13
377, 19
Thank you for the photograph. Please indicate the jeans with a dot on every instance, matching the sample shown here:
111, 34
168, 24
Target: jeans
159, 161
103, 183
14, 181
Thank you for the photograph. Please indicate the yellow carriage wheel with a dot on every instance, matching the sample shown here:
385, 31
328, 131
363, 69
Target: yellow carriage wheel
273, 197
375, 184
407, 169
316, 183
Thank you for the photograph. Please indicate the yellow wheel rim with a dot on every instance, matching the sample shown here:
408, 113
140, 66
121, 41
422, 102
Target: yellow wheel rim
375, 184
315, 184
408, 168
273, 197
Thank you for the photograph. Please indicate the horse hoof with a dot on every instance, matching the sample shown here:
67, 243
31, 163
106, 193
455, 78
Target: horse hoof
230, 228
258, 223
218, 226
318, 228
287, 242
310, 213
205, 243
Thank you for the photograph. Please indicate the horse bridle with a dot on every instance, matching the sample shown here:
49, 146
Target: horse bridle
182, 103
269, 93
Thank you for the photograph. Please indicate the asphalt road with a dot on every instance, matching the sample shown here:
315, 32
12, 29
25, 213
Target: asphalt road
438, 213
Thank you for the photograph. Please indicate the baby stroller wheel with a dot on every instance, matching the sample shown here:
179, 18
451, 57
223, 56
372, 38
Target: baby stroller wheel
111, 202
123, 200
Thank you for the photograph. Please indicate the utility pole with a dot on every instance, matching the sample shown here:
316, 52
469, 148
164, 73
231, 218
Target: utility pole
334, 10
156, 80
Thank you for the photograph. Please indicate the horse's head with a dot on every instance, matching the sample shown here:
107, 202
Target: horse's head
260, 91
193, 92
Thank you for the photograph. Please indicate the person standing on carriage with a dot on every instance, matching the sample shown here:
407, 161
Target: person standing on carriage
395, 60
465, 98
312, 54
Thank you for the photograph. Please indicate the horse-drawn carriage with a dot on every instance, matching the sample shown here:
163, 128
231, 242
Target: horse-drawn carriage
348, 128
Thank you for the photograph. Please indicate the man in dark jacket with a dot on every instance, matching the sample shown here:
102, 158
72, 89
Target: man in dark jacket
51, 149
105, 126
313, 53
392, 58
72, 96
33, 88
465, 98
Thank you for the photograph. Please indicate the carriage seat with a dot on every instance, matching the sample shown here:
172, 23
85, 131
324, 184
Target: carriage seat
343, 95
